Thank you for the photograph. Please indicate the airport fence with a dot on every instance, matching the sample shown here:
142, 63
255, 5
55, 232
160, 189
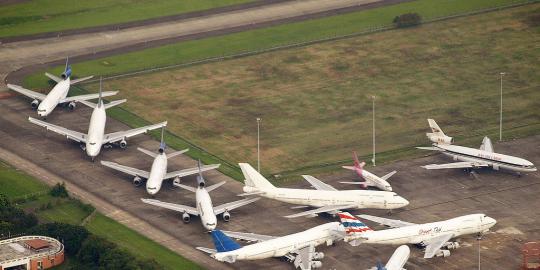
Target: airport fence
231, 169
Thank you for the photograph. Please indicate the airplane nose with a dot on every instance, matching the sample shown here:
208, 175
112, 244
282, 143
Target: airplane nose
404, 201
491, 221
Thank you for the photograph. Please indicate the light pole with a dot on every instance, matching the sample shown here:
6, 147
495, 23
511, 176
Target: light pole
478, 238
500, 111
373, 108
258, 146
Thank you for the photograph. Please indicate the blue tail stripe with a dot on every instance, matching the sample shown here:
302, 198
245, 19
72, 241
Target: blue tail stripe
223, 243
354, 224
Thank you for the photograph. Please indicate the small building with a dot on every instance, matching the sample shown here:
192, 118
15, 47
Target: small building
30, 253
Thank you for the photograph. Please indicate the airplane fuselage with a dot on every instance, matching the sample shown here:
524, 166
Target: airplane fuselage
319, 198
417, 234
59, 92
281, 246
205, 208
375, 180
157, 173
495, 160
96, 131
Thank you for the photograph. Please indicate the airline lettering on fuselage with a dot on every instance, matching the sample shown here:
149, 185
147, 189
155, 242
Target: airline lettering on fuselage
481, 155
427, 232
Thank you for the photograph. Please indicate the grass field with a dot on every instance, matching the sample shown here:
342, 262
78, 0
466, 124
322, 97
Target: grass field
72, 212
315, 100
31, 17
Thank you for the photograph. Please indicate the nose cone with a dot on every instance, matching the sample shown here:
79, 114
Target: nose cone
209, 226
388, 188
490, 222
402, 202
92, 150
151, 191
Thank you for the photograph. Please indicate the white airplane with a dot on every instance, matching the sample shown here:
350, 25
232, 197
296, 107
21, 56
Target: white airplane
325, 198
397, 261
58, 95
370, 179
96, 137
435, 237
204, 208
471, 158
298, 248
158, 171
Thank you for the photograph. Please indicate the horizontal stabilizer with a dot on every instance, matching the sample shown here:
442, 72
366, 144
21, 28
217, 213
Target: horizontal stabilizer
80, 80
192, 189
114, 103
207, 250
352, 168
250, 193
214, 186
89, 104
233, 205
148, 152
174, 154
53, 77
324, 209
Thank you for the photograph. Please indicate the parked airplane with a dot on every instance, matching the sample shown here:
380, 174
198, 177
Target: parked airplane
158, 171
471, 158
96, 137
435, 237
45, 104
204, 208
370, 179
397, 261
298, 248
325, 198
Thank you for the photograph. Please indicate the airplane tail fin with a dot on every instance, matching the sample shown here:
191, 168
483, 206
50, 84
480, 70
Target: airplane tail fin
351, 224
100, 101
67, 70
437, 135
222, 242
253, 178
435, 128
380, 266
162, 144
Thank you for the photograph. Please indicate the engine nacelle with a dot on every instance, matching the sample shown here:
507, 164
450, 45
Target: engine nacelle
83, 146
176, 180
66, 73
316, 264
34, 104
137, 181
443, 253
123, 144
186, 218
452, 245
200, 181
318, 256
72, 105
440, 139
226, 216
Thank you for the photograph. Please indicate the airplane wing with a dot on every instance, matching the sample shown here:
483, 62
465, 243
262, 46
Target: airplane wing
393, 223
26, 92
171, 206
53, 77
117, 136
486, 145
233, 205
250, 237
455, 165
126, 169
190, 171
318, 184
304, 257
323, 209
70, 134
435, 244
88, 96
430, 148
388, 175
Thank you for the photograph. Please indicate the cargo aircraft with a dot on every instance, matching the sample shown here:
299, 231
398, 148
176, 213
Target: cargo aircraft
371, 180
92, 141
472, 158
325, 198
45, 104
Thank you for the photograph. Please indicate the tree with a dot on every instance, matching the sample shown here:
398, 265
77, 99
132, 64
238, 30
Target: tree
407, 20
59, 190
71, 235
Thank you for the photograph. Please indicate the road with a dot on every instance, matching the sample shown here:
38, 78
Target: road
434, 195
15, 55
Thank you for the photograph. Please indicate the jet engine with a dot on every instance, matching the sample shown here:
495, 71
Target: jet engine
176, 180
185, 217
318, 256
316, 264
137, 181
83, 146
66, 73
123, 144
226, 216
72, 105
200, 181
34, 104
452, 245
443, 253
440, 139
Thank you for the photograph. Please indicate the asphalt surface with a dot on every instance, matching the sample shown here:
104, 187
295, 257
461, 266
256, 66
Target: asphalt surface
434, 195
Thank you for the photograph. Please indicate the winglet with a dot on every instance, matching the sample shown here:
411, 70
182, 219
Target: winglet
222, 242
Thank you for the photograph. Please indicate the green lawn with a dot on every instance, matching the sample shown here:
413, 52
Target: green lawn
17, 184
315, 100
38, 16
69, 211
137, 244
